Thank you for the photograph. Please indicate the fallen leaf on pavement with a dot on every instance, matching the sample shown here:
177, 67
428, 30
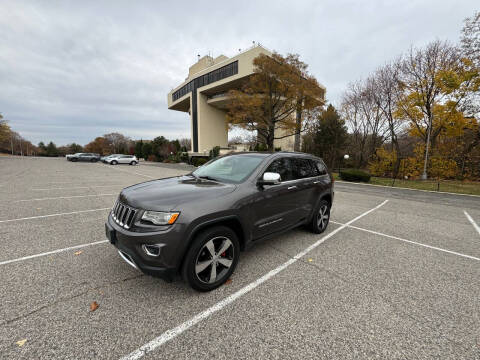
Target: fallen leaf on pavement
21, 342
78, 252
228, 281
94, 306
310, 260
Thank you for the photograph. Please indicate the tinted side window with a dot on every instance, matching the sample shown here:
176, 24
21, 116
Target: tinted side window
321, 167
303, 169
282, 166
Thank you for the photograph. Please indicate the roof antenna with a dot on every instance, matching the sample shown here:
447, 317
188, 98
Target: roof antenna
253, 42
198, 57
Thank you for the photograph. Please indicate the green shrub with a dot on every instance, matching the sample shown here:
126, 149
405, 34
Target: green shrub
214, 152
198, 161
354, 175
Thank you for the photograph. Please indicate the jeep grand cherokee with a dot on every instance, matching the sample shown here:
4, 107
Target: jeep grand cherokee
197, 224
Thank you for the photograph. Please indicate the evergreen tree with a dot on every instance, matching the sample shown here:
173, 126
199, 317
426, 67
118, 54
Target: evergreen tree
327, 137
139, 149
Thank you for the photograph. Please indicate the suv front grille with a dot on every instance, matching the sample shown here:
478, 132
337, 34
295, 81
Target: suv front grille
123, 214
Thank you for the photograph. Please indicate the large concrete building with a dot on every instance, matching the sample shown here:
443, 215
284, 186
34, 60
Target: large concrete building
203, 95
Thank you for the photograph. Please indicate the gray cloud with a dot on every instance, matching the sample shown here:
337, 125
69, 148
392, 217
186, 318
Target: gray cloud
71, 71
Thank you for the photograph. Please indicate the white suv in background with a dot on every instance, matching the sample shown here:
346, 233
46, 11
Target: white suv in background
121, 159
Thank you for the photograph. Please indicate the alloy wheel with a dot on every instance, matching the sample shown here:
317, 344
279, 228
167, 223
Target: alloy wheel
323, 215
214, 259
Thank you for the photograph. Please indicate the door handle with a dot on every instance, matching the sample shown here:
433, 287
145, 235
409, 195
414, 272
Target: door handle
291, 187
316, 182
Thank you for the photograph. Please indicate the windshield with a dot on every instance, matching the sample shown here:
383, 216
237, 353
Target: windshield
229, 168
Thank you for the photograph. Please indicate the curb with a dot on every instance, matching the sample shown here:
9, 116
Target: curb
402, 188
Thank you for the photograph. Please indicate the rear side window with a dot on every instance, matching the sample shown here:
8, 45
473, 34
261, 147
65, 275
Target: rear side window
320, 167
303, 169
282, 166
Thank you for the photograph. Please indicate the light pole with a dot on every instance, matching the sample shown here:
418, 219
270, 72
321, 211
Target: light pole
345, 158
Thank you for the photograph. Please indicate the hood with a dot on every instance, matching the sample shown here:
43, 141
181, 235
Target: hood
168, 194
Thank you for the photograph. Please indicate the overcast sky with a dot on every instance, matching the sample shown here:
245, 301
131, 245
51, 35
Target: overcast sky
74, 70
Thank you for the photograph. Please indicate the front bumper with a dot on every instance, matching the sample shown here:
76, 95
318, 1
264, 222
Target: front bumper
133, 248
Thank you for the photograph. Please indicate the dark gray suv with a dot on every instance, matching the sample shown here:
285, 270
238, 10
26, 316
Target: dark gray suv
197, 224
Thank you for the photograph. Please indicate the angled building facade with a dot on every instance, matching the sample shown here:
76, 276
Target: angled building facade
203, 95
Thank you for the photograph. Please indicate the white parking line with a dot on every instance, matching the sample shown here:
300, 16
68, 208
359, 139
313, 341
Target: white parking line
65, 197
77, 187
472, 222
409, 241
131, 172
59, 214
52, 252
172, 333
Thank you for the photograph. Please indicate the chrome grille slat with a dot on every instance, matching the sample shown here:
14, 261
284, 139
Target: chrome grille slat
123, 214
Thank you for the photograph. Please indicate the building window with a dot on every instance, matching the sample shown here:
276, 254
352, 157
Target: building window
215, 75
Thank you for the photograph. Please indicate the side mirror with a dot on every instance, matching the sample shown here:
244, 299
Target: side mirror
270, 178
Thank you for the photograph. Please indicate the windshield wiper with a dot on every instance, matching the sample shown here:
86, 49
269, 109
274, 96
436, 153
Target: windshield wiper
208, 177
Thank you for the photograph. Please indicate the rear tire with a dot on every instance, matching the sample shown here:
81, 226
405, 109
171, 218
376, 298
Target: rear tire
93, 160
320, 218
114, 162
211, 259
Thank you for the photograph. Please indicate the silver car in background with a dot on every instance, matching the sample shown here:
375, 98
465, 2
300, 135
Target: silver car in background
121, 159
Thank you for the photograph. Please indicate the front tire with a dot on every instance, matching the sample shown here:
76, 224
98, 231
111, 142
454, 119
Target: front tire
211, 259
133, 163
320, 218
114, 162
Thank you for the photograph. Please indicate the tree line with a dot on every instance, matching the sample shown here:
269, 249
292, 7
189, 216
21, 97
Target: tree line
415, 115
158, 149
418, 114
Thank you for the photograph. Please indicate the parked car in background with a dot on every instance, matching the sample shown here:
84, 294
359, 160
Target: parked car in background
121, 159
105, 158
197, 224
83, 157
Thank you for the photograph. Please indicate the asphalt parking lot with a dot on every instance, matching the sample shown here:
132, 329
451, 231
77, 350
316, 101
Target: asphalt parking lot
396, 276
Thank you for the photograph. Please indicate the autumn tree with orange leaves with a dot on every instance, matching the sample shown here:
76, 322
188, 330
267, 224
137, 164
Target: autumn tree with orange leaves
277, 100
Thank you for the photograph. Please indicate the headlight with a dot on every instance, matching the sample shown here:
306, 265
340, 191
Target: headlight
160, 217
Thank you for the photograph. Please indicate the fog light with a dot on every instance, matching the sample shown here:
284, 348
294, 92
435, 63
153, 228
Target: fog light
151, 250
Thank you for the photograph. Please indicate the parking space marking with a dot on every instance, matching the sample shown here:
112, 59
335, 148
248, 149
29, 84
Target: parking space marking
410, 241
52, 252
132, 172
65, 197
76, 187
472, 222
50, 215
172, 333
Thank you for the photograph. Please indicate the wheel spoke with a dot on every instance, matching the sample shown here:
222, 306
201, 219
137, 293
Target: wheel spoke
225, 245
225, 262
213, 273
202, 266
211, 247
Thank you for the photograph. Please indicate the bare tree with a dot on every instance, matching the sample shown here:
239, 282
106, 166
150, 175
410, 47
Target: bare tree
471, 38
385, 91
365, 120
421, 90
